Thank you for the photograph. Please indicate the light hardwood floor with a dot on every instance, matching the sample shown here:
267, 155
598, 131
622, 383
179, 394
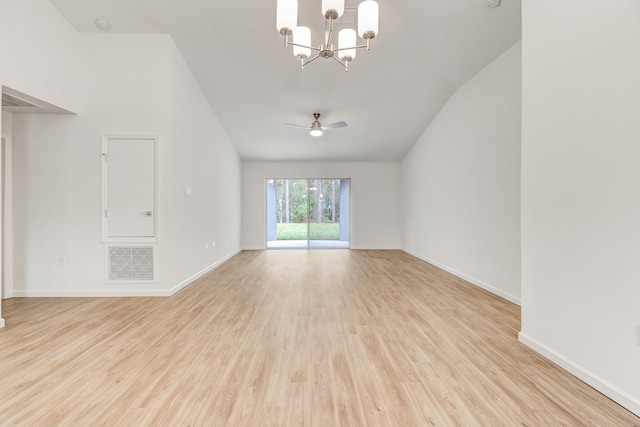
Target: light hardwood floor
289, 338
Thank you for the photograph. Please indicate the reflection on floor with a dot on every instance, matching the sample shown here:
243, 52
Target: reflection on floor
289, 244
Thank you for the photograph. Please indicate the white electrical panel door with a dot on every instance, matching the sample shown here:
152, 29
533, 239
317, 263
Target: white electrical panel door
129, 188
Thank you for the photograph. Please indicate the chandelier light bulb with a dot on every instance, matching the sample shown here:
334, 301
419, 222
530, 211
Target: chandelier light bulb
347, 39
302, 36
332, 8
286, 16
368, 19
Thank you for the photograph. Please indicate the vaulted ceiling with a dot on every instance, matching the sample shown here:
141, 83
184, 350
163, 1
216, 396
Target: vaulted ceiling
424, 51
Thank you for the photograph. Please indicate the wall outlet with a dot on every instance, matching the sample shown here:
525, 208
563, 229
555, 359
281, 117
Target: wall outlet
61, 261
213, 244
468, 251
206, 246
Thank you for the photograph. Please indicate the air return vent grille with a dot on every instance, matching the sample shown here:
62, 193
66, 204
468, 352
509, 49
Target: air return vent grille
130, 263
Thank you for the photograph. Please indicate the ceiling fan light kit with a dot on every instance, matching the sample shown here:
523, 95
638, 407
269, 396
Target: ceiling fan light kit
287, 25
316, 128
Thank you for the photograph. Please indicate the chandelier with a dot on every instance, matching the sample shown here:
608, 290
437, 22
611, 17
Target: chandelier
345, 52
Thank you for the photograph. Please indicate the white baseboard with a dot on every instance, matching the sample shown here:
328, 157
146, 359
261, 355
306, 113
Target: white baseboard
114, 293
375, 248
2, 322
201, 273
512, 298
97, 293
614, 393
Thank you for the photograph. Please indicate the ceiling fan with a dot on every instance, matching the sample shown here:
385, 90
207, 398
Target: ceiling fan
317, 128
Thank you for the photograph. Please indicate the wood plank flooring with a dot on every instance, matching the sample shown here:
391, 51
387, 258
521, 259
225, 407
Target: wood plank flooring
289, 338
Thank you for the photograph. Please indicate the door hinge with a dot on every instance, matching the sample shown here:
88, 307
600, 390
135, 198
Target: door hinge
105, 214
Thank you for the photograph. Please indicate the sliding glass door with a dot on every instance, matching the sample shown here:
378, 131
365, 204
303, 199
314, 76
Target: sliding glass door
288, 201
304, 213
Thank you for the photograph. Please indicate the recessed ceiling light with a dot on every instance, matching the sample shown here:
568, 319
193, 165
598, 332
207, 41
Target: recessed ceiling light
102, 25
493, 3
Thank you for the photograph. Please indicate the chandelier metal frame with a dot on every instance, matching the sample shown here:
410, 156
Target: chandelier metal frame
332, 9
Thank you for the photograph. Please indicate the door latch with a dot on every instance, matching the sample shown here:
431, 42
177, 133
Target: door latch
146, 213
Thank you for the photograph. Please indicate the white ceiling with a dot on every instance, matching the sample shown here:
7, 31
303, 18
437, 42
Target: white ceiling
425, 50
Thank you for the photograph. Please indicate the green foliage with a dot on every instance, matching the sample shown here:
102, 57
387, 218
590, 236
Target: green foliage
301, 200
325, 231
291, 231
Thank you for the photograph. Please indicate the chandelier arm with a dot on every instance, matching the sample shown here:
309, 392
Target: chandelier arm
306, 47
339, 61
328, 32
310, 61
352, 47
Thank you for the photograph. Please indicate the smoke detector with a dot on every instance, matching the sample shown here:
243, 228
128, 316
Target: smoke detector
102, 25
493, 3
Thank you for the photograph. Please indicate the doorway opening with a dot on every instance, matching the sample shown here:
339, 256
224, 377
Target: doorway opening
6, 217
308, 213
13, 102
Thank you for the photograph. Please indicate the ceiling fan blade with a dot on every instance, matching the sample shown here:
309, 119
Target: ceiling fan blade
335, 125
298, 126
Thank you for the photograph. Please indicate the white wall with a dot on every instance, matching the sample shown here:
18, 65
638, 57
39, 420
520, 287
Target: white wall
37, 41
125, 84
201, 157
461, 182
375, 199
57, 164
580, 190
6, 124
